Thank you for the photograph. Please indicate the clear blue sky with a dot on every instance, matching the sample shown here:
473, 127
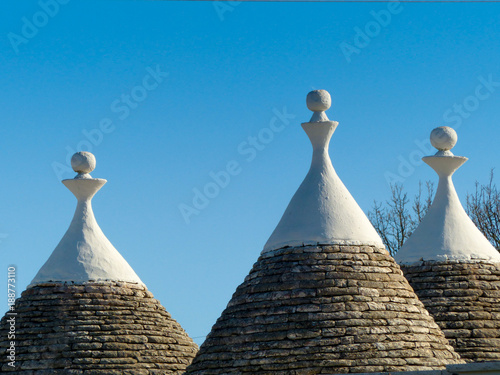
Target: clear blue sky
169, 92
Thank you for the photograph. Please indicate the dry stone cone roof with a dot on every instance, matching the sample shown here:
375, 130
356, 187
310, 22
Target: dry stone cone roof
86, 311
325, 297
452, 267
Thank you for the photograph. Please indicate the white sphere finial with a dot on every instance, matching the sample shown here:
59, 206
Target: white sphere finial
444, 138
83, 162
318, 101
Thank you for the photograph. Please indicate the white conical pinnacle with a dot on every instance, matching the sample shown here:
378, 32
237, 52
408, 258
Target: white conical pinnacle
446, 232
84, 253
322, 211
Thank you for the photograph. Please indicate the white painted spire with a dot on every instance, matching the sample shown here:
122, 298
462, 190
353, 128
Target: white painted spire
84, 253
322, 211
446, 232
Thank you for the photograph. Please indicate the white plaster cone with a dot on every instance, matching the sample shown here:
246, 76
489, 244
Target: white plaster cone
322, 211
84, 253
446, 232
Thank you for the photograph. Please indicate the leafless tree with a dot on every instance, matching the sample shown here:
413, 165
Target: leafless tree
395, 220
483, 207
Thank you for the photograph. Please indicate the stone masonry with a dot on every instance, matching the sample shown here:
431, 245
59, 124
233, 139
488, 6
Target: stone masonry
325, 309
95, 328
464, 299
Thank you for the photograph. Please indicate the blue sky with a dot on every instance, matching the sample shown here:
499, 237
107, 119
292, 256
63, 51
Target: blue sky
169, 94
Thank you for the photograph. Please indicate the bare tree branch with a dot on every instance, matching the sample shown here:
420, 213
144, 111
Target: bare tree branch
394, 221
420, 208
483, 207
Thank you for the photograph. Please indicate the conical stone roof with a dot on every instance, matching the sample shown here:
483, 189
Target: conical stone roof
327, 299
464, 299
452, 267
86, 311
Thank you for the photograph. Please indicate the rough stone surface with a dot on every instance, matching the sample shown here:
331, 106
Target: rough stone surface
464, 299
324, 310
92, 329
